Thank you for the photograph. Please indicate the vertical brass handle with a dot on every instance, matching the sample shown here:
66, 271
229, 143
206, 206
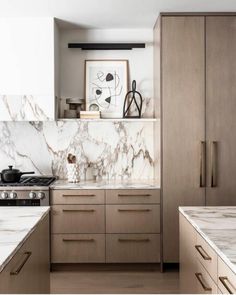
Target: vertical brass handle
17, 271
213, 164
199, 278
202, 252
202, 164
223, 280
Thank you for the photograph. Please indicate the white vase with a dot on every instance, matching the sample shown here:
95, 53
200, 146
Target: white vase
73, 172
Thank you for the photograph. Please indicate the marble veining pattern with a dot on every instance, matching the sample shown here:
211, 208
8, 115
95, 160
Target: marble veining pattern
16, 224
107, 184
26, 108
111, 150
217, 225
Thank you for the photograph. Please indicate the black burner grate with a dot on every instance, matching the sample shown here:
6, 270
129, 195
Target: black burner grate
31, 181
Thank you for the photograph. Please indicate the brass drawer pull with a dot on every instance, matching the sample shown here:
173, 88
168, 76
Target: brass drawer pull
199, 278
18, 270
134, 240
78, 210
203, 164
78, 240
223, 281
134, 210
69, 196
140, 195
202, 252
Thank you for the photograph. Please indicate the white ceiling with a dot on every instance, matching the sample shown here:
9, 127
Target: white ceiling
109, 13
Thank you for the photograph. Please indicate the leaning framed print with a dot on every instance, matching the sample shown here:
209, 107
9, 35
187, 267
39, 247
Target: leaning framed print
106, 84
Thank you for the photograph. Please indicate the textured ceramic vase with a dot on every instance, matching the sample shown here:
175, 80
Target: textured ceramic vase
73, 172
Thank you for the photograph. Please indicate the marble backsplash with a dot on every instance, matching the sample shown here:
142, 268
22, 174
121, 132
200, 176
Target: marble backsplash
113, 150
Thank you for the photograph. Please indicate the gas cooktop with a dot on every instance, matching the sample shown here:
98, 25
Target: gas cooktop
31, 181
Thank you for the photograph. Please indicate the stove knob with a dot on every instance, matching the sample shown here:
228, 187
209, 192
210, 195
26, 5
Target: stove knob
41, 195
32, 195
13, 195
4, 195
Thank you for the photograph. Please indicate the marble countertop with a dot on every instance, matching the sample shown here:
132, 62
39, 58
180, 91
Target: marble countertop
107, 184
16, 224
217, 225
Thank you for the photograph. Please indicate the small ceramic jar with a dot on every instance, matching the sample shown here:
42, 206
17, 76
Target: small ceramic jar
73, 172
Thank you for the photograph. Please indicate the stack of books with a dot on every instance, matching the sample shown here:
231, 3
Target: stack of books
89, 115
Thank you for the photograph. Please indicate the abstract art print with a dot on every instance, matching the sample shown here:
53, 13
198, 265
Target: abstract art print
106, 84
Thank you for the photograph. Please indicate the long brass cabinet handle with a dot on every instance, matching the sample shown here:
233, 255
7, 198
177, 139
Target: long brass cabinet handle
138, 195
223, 280
202, 164
69, 196
199, 277
134, 240
213, 164
78, 240
26, 256
78, 210
202, 252
134, 210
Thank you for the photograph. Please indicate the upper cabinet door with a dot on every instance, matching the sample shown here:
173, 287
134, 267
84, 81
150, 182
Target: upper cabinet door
221, 109
183, 121
27, 78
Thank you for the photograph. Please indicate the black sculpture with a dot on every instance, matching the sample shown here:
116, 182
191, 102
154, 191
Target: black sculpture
132, 101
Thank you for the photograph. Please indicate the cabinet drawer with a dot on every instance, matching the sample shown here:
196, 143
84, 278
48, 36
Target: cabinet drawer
132, 248
207, 256
226, 278
205, 284
78, 219
132, 218
132, 196
77, 197
77, 248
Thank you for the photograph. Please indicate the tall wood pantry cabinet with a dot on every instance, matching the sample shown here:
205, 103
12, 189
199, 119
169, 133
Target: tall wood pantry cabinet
195, 57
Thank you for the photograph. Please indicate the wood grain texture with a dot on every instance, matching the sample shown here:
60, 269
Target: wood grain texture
230, 281
132, 218
183, 121
221, 106
206, 279
78, 219
59, 197
137, 196
78, 248
134, 248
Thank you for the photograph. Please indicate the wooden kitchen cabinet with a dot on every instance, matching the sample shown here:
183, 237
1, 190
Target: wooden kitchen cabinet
29, 270
201, 268
111, 226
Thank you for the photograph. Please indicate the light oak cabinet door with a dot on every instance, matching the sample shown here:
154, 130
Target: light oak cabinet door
205, 284
132, 218
29, 270
221, 109
183, 121
226, 278
78, 219
188, 261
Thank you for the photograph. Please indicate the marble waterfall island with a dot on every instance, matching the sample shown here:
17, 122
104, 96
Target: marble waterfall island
217, 225
16, 224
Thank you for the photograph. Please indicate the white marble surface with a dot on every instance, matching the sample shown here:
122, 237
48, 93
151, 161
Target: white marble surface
112, 150
16, 224
217, 225
107, 184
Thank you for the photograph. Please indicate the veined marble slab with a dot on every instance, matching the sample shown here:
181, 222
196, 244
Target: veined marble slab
107, 184
217, 225
16, 224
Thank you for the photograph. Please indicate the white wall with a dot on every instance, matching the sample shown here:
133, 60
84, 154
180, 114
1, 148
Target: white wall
140, 60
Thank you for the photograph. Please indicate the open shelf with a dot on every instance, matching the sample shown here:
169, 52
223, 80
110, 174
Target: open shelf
110, 120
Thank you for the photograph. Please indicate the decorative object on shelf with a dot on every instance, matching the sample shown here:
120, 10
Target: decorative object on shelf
106, 46
133, 103
72, 169
111, 115
106, 82
75, 106
89, 115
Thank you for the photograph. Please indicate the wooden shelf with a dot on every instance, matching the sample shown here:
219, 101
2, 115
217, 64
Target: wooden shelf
110, 120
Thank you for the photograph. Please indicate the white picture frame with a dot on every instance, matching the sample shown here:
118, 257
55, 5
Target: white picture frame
106, 84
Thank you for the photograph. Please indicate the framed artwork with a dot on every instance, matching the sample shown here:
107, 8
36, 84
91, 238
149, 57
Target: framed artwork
106, 84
